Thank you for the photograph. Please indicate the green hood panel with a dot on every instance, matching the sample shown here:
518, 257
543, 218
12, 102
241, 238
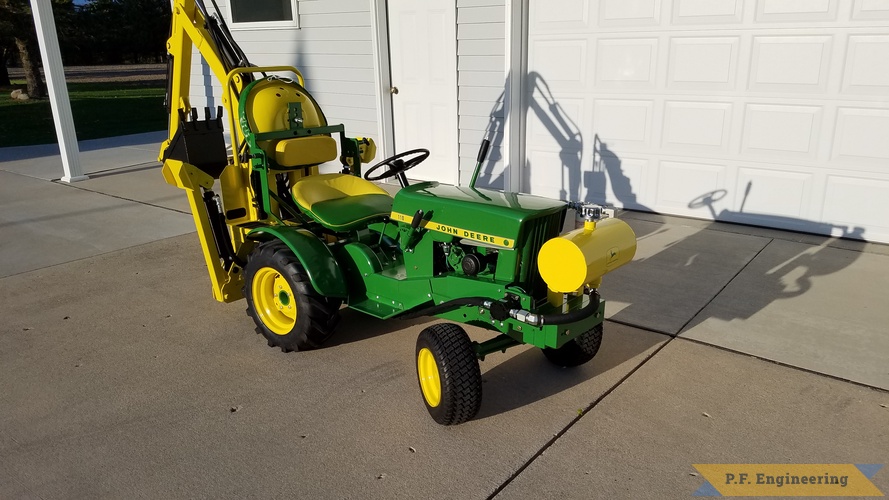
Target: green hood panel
472, 213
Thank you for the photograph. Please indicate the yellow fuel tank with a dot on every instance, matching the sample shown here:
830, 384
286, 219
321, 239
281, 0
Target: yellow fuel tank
581, 257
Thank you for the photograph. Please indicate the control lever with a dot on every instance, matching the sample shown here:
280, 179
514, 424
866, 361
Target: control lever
415, 223
414, 232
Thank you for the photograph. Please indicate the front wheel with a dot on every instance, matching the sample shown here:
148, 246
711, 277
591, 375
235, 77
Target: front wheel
578, 350
287, 310
449, 375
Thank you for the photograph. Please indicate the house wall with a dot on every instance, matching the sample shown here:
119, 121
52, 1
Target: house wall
333, 50
481, 82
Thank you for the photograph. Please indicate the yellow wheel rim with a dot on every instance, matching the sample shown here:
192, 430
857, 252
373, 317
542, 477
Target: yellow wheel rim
274, 301
430, 383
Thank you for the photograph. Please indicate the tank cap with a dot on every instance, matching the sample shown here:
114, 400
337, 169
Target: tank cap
591, 212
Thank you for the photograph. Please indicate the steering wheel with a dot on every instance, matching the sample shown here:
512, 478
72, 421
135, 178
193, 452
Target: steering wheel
397, 164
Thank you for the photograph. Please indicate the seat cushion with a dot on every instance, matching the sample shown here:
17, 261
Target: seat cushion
352, 212
303, 151
341, 202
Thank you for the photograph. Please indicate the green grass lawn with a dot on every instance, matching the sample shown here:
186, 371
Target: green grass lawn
100, 110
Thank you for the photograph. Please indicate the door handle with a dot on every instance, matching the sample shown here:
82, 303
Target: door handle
393, 90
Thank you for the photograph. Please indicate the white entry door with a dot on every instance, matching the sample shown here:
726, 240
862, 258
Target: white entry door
423, 63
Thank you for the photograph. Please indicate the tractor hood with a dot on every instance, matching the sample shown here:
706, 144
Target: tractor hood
486, 216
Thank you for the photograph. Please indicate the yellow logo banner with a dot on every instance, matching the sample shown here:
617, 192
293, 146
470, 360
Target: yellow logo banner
457, 231
788, 480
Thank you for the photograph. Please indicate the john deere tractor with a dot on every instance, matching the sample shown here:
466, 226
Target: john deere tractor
299, 245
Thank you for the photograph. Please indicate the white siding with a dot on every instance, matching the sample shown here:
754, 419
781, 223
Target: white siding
333, 50
480, 82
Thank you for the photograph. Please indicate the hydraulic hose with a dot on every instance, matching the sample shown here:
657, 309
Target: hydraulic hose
524, 316
575, 315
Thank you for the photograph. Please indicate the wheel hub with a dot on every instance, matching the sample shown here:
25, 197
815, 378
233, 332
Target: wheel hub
273, 300
283, 299
430, 382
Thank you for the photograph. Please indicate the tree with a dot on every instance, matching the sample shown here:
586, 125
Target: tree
123, 31
5, 49
4, 71
18, 20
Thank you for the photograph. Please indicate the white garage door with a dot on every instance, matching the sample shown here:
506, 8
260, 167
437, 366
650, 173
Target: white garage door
769, 112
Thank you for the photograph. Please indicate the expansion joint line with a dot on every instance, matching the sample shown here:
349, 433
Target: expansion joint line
592, 405
573, 421
127, 199
727, 283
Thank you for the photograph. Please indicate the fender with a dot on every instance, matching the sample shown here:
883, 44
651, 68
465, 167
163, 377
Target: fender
316, 258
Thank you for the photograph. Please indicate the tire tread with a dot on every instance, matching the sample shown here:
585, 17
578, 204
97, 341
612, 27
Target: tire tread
317, 308
459, 371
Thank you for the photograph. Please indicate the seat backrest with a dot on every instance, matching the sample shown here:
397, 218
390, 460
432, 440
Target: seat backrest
267, 107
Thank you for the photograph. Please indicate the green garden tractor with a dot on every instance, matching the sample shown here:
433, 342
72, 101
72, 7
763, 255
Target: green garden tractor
299, 245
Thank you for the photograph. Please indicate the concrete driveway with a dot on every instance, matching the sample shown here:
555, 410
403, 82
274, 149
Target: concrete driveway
123, 378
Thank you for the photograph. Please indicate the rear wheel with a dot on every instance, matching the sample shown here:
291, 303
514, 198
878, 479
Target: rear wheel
577, 351
448, 373
287, 310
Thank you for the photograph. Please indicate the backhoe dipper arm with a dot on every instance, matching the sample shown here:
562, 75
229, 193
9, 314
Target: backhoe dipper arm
189, 28
197, 177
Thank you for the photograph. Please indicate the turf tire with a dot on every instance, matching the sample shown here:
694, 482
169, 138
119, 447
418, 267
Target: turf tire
458, 372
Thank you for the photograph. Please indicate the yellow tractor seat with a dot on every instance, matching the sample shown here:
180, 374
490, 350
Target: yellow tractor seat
266, 108
341, 202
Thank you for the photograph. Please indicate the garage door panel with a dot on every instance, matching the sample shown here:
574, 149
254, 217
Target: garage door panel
781, 131
559, 16
623, 180
790, 63
866, 10
563, 63
703, 63
550, 178
773, 192
696, 126
624, 124
556, 124
681, 183
707, 11
867, 65
862, 138
629, 12
841, 208
796, 10
626, 62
